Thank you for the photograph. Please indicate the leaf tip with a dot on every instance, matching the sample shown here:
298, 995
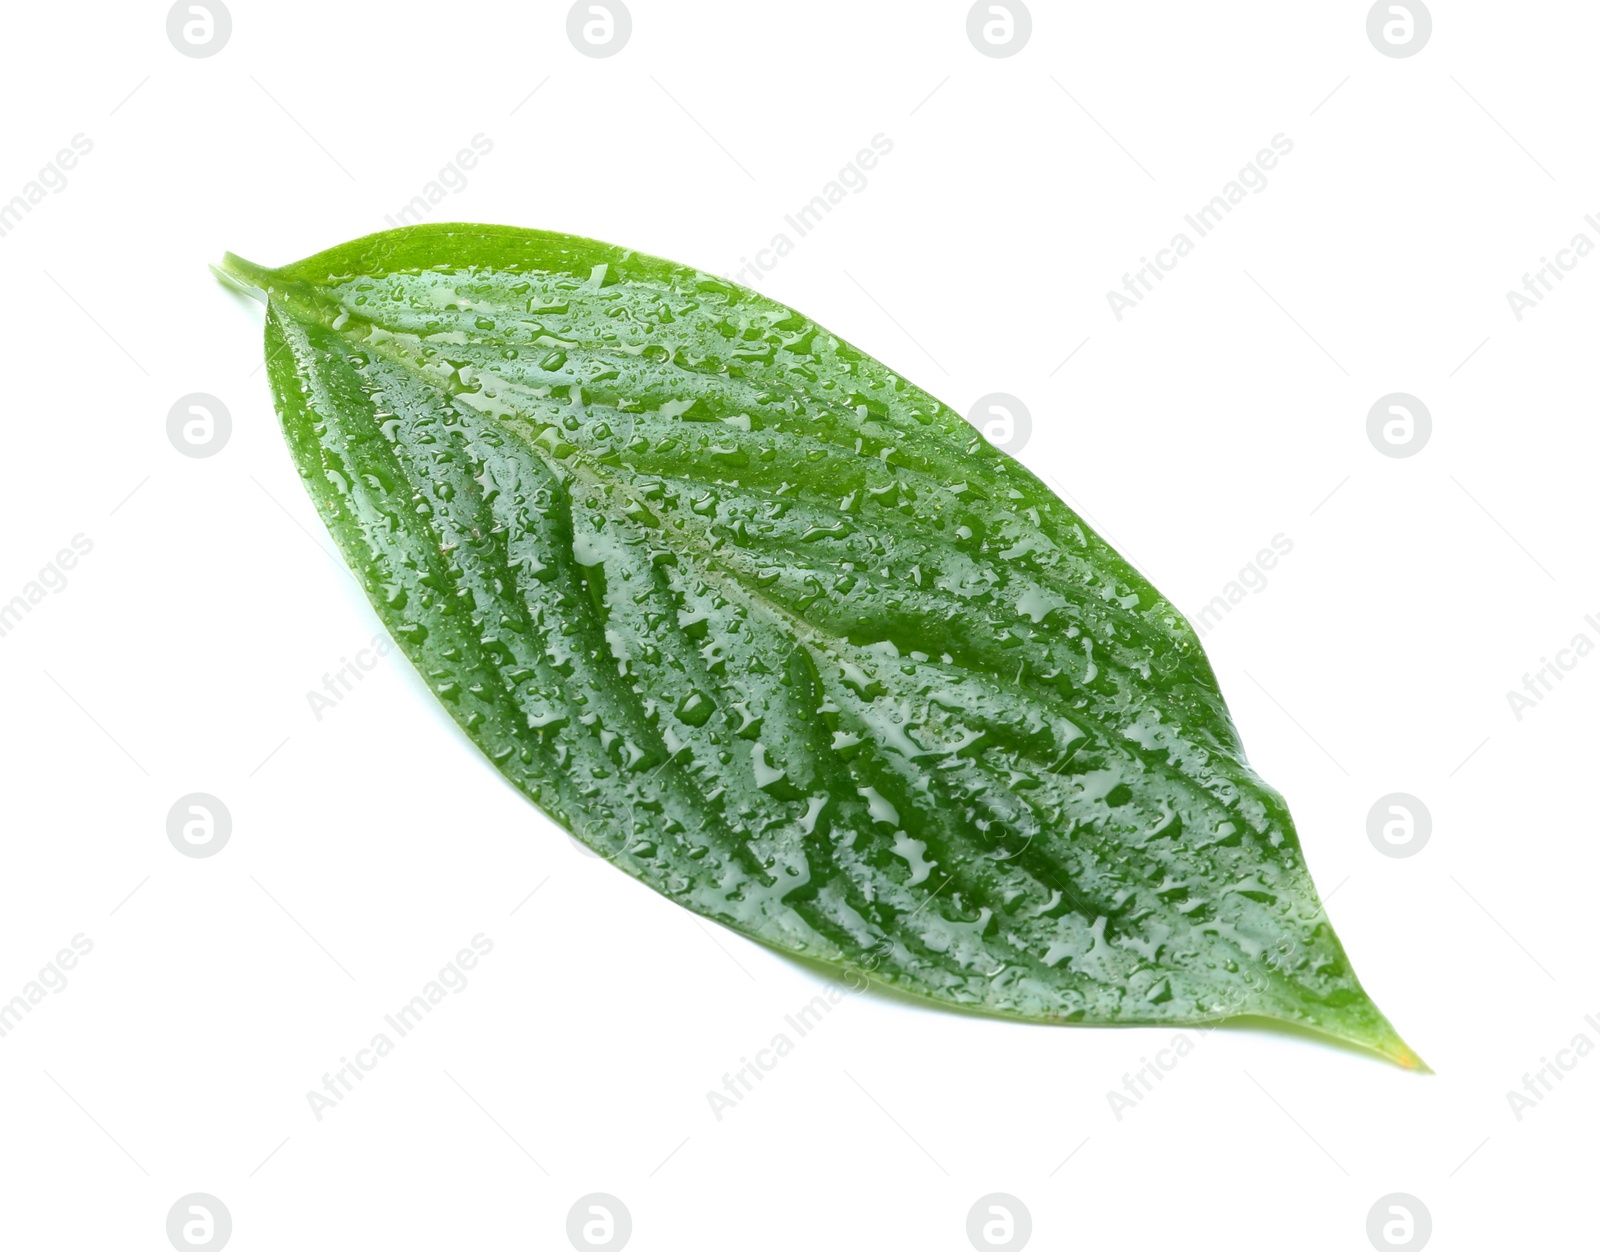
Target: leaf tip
1401, 1053
1385, 1040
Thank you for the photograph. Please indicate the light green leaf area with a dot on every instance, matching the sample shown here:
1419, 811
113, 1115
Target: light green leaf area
783, 637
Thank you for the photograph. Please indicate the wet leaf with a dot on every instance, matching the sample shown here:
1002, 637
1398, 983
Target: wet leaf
783, 637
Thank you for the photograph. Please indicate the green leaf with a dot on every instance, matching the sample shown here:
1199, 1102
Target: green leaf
783, 637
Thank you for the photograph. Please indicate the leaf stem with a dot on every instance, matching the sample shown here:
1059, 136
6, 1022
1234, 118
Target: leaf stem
246, 276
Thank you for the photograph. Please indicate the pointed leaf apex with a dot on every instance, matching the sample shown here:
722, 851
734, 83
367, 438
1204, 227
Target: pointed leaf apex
1399, 1051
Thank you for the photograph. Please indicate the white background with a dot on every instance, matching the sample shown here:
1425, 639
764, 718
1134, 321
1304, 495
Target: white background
1229, 407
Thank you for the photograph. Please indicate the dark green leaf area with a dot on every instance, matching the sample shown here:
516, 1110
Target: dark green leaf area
783, 637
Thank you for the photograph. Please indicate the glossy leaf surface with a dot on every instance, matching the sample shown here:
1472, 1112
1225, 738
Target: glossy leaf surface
782, 636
